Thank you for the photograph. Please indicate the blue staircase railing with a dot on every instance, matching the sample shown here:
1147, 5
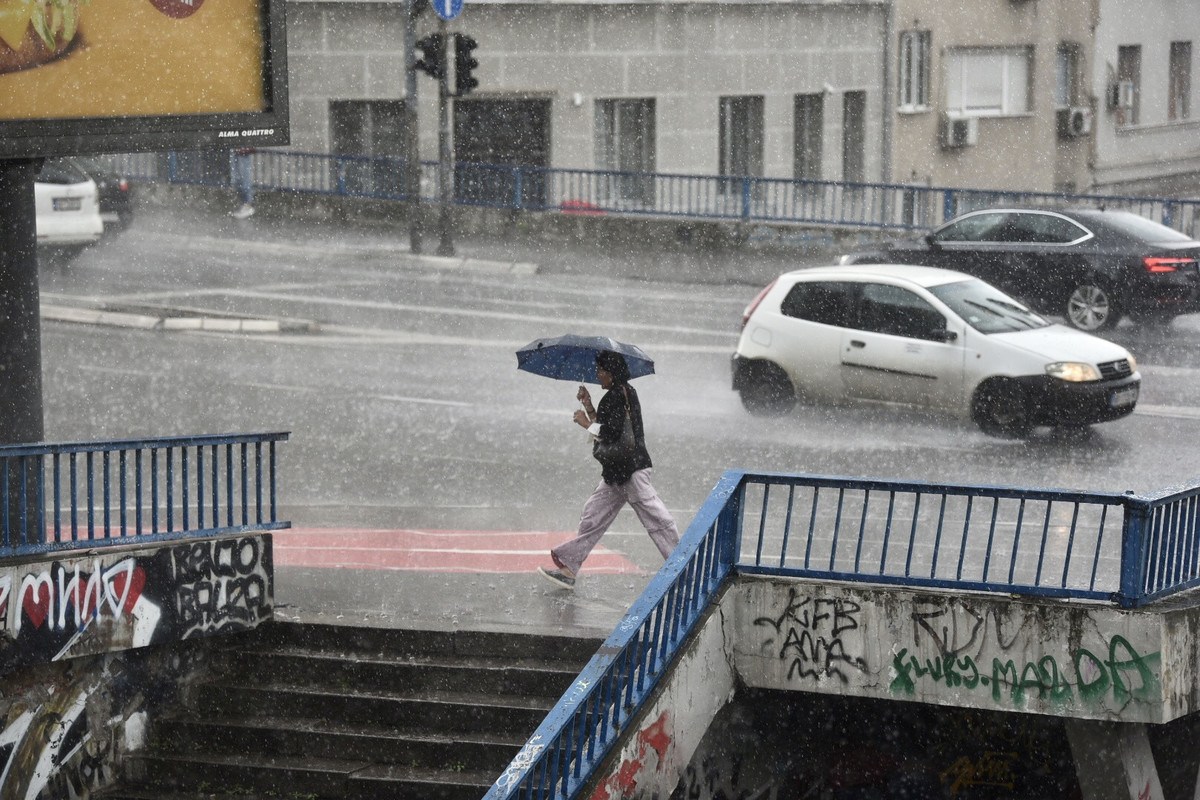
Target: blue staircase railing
740, 198
1123, 549
82, 495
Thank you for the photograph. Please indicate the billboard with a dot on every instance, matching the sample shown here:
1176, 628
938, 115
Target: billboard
124, 76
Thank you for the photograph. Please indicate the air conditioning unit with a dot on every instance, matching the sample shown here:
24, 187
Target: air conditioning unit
1074, 121
1120, 94
959, 131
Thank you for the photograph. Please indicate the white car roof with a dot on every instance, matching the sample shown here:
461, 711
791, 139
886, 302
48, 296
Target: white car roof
921, 276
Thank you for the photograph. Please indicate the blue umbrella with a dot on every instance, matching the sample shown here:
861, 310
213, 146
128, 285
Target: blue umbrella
573, 358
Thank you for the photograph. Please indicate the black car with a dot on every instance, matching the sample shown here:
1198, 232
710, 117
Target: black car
116, 194
1091, 266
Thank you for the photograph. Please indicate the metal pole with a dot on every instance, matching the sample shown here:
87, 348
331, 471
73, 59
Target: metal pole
445, 151
412, 149
20, 316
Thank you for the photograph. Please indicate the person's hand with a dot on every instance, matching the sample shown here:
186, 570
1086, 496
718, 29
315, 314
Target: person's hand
582, 419
583, 395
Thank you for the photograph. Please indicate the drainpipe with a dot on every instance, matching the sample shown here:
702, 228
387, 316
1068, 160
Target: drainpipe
889, 106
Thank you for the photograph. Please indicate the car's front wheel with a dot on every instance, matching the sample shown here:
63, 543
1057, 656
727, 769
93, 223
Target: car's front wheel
766, 390
1091, 307
1001, 409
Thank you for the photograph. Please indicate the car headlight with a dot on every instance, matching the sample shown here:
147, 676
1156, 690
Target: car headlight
1073, 371
1132, 364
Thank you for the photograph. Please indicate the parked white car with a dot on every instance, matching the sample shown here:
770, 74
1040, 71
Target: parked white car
927, 337
68, 206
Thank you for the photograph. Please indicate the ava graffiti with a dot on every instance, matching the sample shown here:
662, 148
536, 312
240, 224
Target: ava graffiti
810, 636
1121, 672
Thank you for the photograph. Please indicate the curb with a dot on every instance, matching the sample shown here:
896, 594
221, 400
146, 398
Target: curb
148, 322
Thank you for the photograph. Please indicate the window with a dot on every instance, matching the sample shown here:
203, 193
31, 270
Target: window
625, 143
1044, 229
913, 91
988, 81
983, 227
1066, 75
1129, 72
898, 312
854, 136
370, 128
1180, 74
741, 139
809, 121
826, 302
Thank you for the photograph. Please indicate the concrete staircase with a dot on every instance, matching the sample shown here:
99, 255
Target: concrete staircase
308, 711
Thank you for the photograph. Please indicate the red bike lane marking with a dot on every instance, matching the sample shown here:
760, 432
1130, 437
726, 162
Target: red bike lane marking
433, 550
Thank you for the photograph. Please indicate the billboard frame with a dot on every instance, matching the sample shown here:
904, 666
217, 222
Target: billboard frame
31, 138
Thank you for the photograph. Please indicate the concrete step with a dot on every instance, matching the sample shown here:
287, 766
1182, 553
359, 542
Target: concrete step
326, 739
322, 711
444, 712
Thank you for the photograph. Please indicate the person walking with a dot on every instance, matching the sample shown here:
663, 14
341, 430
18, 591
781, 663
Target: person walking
625, 476
243, 181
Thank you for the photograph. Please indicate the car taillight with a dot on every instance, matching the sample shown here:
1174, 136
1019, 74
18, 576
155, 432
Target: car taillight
758, 298
1167, 263
123, 185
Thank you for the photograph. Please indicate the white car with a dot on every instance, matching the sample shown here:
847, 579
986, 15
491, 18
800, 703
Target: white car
927, 337
68, 206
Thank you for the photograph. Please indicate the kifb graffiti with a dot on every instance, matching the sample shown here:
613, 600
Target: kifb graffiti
106, 602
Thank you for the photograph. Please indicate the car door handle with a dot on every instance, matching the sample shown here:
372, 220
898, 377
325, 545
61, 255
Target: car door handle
857, 343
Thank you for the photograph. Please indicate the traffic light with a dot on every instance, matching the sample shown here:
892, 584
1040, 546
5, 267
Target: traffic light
464, 81
432, 60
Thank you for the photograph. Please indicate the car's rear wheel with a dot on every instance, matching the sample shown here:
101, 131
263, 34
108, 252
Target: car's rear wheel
1091, 307
766, 390
1001, 409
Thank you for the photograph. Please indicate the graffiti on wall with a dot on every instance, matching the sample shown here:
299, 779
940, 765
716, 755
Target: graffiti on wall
650, 756
220, 585
958, 646
98, 603
812, 635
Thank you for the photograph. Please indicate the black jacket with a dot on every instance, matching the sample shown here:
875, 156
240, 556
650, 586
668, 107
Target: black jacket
610, 413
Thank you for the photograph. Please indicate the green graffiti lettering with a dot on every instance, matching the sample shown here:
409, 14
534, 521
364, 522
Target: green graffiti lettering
967, 665
903, 682
1060, 688
1092, 690
1148, 685
1001, 675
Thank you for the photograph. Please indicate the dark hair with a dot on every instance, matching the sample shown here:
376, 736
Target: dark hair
614, 364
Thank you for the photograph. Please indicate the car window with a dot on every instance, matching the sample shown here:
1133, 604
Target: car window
1044, 229
985, 308
1146, 230
986, 227
827, 302
899, 312
60, 172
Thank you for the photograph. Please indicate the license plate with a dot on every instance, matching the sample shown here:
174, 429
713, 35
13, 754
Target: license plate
68, 203
1123, 397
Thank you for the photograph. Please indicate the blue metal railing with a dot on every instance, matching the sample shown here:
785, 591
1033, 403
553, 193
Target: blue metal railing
56, 497
1122, 549
884, 206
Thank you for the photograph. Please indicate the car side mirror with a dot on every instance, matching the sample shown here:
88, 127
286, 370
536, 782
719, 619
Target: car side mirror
944, 335
931, 241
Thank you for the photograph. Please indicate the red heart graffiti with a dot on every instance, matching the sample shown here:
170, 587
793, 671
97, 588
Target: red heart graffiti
32, 602
137, 582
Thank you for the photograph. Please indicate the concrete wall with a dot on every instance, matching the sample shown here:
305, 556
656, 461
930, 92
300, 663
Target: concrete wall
89, 641
971, 651
1020, 152
653, 759
1157, 155
686, 55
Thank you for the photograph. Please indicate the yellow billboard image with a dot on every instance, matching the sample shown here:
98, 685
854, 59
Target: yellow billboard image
68, 59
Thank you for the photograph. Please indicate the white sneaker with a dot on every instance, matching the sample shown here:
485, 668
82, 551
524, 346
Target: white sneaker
245, 211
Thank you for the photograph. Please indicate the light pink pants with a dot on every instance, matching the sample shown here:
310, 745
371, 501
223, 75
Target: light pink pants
601, 509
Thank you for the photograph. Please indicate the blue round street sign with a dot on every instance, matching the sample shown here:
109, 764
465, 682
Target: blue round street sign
447, 9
